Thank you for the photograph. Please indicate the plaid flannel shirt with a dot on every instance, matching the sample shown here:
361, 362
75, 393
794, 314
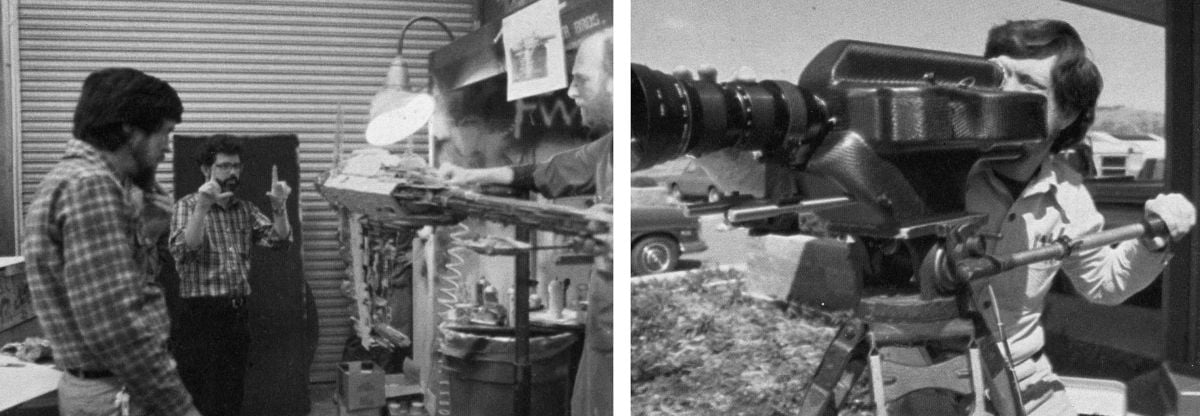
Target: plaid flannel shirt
87, 267
221, 265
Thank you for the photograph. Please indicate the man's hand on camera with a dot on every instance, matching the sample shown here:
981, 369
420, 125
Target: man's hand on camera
731, 169
210, 193
1176, 212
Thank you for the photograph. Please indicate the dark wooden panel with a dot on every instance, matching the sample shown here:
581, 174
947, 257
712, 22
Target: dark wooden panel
1182, 121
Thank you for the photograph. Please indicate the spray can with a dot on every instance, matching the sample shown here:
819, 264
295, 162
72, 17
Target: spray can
581, 292
571, 295
510, 301
542, 292
555, 291
396, 409
480, 286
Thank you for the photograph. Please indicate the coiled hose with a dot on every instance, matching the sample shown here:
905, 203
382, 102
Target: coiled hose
451, 291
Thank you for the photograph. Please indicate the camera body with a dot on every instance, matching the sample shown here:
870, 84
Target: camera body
894, 129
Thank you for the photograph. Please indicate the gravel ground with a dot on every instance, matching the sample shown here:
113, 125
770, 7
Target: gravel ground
701, 348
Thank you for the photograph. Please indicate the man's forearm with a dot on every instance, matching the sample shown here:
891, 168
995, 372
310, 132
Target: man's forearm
193, 234
502, 175
282, 227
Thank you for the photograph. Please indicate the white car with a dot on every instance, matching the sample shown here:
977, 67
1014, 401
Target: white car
1154, 153
1113, 157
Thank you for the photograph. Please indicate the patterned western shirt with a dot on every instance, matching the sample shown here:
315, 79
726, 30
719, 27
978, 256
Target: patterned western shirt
221, 265
87, 265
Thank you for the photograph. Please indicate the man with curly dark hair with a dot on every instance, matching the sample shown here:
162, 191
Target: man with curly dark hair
211, 234
90, 251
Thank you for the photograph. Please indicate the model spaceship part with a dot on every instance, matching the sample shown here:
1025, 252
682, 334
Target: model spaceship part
413, 196
496, 246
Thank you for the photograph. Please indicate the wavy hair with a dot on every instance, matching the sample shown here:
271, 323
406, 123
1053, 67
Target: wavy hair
115, 97
1077, 80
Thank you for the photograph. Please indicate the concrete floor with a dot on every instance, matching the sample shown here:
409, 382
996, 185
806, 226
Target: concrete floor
321, 397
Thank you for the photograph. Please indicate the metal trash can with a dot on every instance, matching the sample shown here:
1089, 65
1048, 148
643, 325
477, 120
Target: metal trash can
479, 366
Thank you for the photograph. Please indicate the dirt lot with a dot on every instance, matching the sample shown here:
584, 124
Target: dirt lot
701, 348
726, 246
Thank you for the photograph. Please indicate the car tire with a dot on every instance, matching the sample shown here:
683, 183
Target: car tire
676, 193
714, 195
654, 254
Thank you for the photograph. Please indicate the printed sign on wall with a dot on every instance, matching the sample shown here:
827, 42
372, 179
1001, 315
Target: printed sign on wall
534, 55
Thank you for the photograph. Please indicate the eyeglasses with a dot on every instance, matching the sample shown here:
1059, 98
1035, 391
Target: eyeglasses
228, 166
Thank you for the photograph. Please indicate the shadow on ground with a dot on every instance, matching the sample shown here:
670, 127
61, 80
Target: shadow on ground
689, 264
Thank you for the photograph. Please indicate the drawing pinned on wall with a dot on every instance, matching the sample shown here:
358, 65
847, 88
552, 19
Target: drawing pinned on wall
534, 54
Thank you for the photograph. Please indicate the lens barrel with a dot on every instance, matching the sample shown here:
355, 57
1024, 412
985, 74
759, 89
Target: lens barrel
673, 117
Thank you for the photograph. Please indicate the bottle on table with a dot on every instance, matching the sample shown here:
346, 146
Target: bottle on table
556, 299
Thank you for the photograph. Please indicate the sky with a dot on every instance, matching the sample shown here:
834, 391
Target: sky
777, 38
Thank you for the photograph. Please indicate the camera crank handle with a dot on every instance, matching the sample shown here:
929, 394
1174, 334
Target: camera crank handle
707, 208
981, 267
1155, 227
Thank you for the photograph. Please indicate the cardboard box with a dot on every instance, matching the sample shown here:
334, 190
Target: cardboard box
361, 385
343, 411
400, 384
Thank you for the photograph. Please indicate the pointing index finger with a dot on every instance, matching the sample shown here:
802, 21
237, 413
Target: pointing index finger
274, 174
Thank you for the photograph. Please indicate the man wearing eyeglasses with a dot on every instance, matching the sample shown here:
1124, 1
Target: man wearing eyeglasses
211, 234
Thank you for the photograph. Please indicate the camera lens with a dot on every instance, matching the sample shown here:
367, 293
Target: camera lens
673, 117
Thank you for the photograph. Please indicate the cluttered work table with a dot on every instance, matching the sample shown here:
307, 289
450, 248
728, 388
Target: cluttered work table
22, 382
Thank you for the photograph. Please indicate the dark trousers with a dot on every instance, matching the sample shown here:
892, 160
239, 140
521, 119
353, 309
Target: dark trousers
210, 341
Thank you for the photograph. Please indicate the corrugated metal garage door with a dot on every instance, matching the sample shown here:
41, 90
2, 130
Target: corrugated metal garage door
242, 67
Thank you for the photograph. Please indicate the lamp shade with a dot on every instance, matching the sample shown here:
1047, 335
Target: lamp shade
406, 115
396, 111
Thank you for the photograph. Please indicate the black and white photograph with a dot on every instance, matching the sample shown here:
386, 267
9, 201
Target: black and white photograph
304, 207
913, 208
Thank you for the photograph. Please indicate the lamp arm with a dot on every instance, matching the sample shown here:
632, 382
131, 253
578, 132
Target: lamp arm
400, 46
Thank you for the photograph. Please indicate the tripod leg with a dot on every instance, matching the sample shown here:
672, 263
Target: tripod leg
979, 408
846, 346
1002, 381
877, 385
